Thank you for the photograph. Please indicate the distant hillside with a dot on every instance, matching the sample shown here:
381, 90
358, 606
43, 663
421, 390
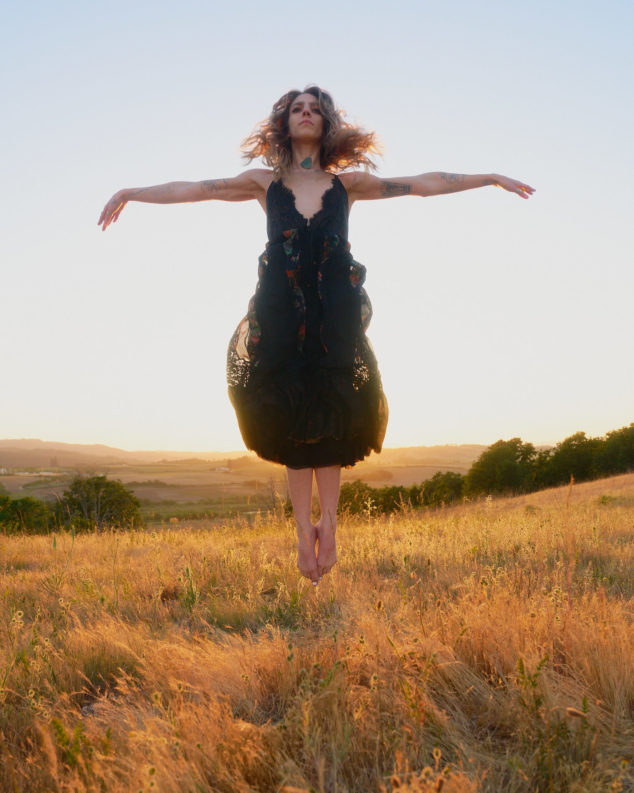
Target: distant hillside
35, 453
459, 456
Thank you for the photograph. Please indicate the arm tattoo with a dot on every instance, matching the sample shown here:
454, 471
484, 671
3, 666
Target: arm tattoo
452, 178
213, 185
389, 189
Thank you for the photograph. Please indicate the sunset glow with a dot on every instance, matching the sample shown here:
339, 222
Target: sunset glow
493, 317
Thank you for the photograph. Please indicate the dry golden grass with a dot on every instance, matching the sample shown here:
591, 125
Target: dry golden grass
488, 647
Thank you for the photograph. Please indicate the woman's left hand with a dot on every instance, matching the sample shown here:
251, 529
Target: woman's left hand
513, 186
113, 209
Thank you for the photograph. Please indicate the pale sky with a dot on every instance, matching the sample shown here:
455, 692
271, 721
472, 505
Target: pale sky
494, 317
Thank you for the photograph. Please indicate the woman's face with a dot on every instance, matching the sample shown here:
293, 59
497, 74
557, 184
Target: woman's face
305, 122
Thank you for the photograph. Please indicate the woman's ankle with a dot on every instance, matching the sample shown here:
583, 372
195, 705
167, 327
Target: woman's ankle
327, 525
305, 529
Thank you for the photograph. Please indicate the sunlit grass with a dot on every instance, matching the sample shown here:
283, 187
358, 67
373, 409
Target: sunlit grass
487, 647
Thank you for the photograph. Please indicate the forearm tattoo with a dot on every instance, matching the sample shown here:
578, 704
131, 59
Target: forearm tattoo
389, 189
452, 178
213, 185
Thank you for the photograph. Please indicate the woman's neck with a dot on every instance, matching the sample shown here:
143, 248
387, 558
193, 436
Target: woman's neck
305, 157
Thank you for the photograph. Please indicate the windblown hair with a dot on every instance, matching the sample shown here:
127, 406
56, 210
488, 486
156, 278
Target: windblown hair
343, 145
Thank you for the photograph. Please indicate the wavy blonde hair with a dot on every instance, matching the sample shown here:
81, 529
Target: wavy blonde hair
343, 145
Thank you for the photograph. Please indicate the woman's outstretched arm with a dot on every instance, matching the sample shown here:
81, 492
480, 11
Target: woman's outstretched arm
248, 185
363, 186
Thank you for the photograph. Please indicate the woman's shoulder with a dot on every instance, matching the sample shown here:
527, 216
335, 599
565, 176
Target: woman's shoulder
355, 183
350, 179
262, 177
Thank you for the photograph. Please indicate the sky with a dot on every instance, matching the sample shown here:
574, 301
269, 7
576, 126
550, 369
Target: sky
494, 317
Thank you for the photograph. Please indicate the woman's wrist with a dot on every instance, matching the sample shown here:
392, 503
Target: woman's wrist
128, 193
156, 194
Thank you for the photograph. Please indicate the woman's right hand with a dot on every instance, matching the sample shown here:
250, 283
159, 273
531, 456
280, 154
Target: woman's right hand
113, 209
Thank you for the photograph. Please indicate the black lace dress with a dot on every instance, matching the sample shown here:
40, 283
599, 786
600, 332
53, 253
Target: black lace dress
301, 372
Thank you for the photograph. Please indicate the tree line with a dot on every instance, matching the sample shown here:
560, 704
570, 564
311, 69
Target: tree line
505, 468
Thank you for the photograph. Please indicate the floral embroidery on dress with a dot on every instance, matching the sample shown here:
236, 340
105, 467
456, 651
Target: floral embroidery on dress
360, 371
263, 263
330, 242
366, 310
357, 274
291, 248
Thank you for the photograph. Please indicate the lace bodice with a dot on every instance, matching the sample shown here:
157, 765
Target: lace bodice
282, 213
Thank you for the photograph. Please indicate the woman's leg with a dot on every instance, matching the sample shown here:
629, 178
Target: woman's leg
328, 484
300, 487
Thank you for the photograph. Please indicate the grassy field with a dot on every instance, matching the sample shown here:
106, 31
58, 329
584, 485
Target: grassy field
487, 647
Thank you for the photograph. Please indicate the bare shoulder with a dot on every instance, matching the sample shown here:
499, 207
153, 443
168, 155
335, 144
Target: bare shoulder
359, 184
352, 180
257, 181
262, 177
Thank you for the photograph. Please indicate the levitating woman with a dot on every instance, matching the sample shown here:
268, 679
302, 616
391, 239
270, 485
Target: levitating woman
302, 375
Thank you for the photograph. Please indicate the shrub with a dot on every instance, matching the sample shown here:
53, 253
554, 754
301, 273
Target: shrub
443, 488
23, 515
356, 497
95, 503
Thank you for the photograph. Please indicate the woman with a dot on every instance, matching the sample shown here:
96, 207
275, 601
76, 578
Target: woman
302, 375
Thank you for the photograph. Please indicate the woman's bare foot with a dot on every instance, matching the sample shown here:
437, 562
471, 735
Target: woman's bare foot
306, 559
327, 555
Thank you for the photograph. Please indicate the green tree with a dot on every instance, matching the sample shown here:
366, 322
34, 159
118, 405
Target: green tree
97, 503
543, 474
574, 456
443, 488
23, 515
615, 455
505, 467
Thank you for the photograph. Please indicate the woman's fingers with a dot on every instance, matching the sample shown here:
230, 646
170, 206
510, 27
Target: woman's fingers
112, 209
104, 217
513, 186
110, 213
